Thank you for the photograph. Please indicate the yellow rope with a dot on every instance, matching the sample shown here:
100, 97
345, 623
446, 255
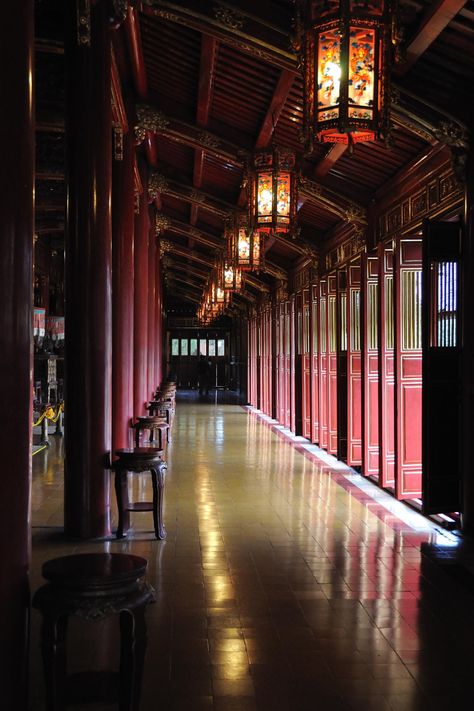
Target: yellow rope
50, 414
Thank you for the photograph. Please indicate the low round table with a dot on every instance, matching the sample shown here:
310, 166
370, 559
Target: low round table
140, 459
94, 586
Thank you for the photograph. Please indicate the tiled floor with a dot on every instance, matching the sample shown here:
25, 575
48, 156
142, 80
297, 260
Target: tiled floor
286, 582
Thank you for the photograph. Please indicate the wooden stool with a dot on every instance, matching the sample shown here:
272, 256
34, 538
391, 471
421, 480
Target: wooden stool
140, 459
94, 586
163, 409
153, 424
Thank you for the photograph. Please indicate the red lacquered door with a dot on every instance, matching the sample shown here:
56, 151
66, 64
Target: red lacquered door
293, 364
370, 390
408, 368
342, 360
323, 364
282, 361
287, 329
306, 365
332, 363
386, 367
354, 366
314, 365
298, 375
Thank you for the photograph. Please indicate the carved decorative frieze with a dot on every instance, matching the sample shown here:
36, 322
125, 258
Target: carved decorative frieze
346, 250
438, 192
354, 213
162, 223
157, 184
149, 119
310, 187
83, 9
119, 11
208, 140
228, 17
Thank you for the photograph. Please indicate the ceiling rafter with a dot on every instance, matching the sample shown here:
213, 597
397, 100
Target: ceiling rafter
261, 39
437, 17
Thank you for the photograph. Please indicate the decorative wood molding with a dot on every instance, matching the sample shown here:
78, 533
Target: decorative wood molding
345, 251
334, 202
158, 184
437, 193
83, 19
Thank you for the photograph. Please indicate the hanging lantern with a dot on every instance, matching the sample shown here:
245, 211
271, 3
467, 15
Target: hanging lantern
244, 245
232, 276
347, 48
273, 192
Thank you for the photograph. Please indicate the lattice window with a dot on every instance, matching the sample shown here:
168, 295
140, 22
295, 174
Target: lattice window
388, 314
444, 285
355, 320
411, 309
314, 317
372, 321
322, 325
343, 324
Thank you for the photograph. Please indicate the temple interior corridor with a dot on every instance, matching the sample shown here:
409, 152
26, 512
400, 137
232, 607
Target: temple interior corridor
286, 582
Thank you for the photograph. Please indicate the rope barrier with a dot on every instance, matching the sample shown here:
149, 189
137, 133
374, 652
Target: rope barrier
50, 414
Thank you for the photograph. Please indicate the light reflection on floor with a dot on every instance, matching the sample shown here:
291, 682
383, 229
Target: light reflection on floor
283, 584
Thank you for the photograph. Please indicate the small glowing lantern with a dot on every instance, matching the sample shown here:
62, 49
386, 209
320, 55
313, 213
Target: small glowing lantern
273, 192
347, 51
244, 245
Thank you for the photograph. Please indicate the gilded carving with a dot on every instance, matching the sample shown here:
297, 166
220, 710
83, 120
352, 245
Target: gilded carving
228, 17
354, 213
149, 119
83, 23
310, 187
208, 140
452, 134
118, 143
162, 222
165, 247
419, 204
157, 184
120, 8
197, 196
394, 219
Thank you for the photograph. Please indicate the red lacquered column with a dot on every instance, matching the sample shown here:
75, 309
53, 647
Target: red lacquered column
16, 299
88, 281
152, 384
140, 322
123, 278
158, 317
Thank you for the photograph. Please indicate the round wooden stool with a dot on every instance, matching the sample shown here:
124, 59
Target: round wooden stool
94, 586
140, 459
154, 425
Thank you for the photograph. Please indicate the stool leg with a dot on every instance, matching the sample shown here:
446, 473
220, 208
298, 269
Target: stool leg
121, 492
53, 647
132, 655
137, 437
158, 483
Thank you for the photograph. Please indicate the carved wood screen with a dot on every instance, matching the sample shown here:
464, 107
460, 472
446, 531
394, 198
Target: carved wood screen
408, 368
370, 390
441, 429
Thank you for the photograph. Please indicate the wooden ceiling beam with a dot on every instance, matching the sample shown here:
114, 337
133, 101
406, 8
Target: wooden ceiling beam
436, 19
280, 95
247, 33
132, 32
327, 163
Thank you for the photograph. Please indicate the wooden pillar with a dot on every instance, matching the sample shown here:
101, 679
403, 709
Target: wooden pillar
467, 314
123, 279
140, 321
88, 279
159, 318
16, 298
152, 383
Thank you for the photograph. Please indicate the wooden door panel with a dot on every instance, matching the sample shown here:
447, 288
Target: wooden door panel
314, 365
442, 374
323, 366
354, 366
332, 364
370, 375
306, 365
386, 342
408, 368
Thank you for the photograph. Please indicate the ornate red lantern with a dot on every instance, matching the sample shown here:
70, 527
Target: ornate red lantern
245, 248
347, 46
273, 192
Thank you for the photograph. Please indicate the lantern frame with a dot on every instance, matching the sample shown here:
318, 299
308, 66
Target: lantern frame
245, 246
273, 192
347, 44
